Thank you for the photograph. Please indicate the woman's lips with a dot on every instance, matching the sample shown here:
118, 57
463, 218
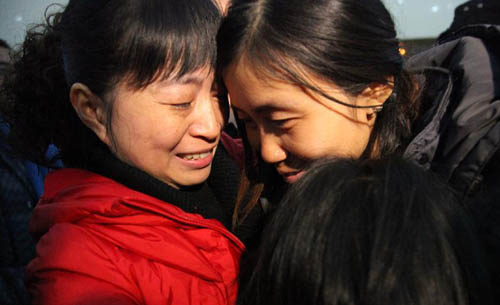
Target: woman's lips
197, 160
292, 177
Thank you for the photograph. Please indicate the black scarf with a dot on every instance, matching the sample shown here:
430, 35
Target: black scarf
213, 199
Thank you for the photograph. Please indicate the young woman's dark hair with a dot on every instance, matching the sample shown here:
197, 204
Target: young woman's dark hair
351, 44
88, 43
367, 232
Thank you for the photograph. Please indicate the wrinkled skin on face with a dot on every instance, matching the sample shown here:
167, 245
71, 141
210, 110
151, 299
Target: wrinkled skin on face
170, 129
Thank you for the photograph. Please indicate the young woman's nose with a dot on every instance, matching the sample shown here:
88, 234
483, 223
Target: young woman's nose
270, 148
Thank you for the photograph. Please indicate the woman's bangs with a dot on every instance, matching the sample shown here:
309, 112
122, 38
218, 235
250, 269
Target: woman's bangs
170, 44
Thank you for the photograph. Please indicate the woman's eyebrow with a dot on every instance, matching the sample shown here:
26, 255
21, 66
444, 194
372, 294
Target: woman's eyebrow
271, 106
184, 80
266, 108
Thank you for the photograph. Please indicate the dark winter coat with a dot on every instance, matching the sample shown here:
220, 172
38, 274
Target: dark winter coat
458, 132
20, 187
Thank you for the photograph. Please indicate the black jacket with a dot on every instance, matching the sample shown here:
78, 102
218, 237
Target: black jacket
458, 132
17, 248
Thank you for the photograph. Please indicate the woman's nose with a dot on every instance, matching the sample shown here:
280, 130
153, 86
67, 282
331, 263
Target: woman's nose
208, 120
270, 148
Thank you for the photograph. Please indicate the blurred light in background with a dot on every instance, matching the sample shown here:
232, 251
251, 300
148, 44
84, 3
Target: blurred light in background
422, 19
415, 19
17, 15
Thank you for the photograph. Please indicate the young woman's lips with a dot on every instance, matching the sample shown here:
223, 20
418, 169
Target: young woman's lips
292, 177
196, 160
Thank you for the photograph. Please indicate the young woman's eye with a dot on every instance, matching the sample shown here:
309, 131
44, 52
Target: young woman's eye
282, 123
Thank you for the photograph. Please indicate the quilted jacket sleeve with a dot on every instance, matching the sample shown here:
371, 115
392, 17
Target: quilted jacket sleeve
64, 288
72, 267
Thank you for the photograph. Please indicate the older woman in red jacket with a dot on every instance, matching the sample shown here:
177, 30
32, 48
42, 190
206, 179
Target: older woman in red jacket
125, 89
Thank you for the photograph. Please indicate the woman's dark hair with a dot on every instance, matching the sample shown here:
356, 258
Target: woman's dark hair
352, 44
367, 232
99, 43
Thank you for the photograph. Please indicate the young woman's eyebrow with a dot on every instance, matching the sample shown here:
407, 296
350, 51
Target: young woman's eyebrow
266, 108
272, 107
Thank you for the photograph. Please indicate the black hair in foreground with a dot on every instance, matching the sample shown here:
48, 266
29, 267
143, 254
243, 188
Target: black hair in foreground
373, 232
99, 43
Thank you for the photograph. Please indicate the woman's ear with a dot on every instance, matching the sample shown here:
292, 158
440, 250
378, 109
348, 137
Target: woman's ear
90, 109
375, 95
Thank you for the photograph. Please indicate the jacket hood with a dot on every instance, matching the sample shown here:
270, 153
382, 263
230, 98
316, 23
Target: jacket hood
460, 127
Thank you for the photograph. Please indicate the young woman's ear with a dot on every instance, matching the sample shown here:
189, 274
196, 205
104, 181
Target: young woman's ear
375, 95
90, 109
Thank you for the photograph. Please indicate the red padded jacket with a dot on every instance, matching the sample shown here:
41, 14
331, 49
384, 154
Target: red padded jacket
103, 243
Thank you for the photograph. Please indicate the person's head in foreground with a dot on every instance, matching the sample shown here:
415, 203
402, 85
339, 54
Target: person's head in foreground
134, 77
374, 232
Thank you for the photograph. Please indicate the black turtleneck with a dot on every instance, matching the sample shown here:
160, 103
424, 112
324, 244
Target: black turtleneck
213, 199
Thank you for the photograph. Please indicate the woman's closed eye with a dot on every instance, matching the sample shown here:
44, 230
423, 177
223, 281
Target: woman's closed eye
182, 106
282, 123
